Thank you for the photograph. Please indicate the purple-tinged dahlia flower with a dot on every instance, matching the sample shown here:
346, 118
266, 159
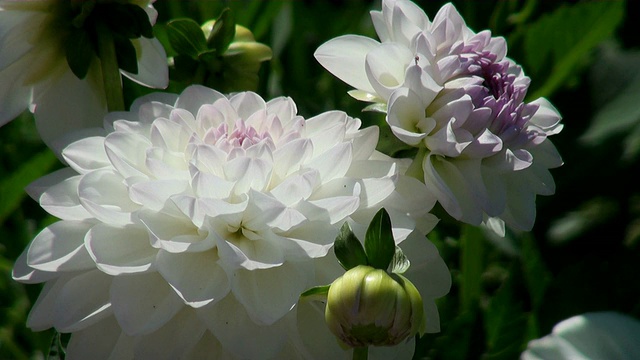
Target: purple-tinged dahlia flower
453, 94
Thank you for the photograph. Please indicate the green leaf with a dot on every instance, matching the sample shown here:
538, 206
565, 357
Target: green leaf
378, 242
223, 32
126, 54
316, 291
186, 37
128, 20
79, 52
619, 116
505, 322
558, 43
12, 187
400, 263
348, 249
536, 274
57, 349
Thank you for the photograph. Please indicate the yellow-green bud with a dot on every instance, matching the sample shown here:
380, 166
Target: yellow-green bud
368, 306
237, 68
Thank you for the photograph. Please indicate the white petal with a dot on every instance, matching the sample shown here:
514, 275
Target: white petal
41, 316
250, 254
385, 67
266, 210
209, 159
207, 185
248, 103
365, 142
173, 339
333, 163
143, 303
317, 341
296, 188
24, 273
248, 173
344, 57
170, 135
405, 113
81, 103
238, 334
288, 158
428, 273
126, 152
283, 107
83, 301
547, 117
521, 205
266, 300
62, 200
15, 97
174, 234
60, 247
196, 277
86, 154
15, 33
83, 344
193, 97
311, 240
208, 348
154, 194
104, 194
153, 70
120, 250
332, 209
39, 186
326, 130
451, 188
408, 19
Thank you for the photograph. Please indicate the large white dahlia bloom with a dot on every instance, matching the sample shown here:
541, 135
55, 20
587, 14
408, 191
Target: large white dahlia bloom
191, 227
451, 93
34, 72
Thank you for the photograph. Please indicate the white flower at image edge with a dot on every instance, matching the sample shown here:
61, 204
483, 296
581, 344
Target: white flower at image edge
34, 72
192, 227
592, 336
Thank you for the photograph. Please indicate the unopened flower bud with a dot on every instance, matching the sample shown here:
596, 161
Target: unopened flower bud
368, 306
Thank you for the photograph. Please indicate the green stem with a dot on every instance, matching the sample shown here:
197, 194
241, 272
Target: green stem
361, 353
472, 266
111, 77
200, 74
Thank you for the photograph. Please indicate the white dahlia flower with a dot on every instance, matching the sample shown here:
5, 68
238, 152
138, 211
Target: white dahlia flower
35, 74
445, 48
452, 93
192, 227
591, 336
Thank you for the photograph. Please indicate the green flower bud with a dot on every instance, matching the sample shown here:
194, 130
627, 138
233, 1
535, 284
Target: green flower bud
236, 69
368, 306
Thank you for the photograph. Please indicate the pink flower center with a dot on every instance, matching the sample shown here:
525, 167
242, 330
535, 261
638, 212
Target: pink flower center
240, 136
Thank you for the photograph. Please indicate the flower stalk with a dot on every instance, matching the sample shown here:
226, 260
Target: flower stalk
361, 353
110, 70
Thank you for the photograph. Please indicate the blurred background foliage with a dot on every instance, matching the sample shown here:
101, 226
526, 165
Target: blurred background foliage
583, 254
